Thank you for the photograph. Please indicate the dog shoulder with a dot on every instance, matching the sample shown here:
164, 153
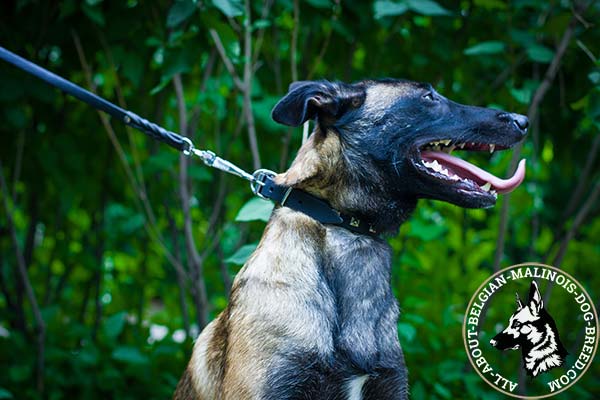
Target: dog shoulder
204, 374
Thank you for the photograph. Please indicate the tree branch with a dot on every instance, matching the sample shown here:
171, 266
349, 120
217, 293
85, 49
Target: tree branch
248, 76
194, 259
579, 218
244, 86
40, 326
139, 198
294, 44
326, 42
180, 280
583, 177
538, 96
261, 32
287, 139
18, 163
228, 64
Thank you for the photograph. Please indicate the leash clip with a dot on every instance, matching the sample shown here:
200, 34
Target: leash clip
259, 178
188, 150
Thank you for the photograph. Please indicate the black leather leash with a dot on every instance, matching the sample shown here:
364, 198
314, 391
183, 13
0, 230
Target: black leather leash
261, 181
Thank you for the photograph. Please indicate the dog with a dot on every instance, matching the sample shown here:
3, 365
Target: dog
311, 314
531, 329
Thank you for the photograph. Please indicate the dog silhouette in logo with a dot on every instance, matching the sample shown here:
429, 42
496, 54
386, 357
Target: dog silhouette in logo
532, 330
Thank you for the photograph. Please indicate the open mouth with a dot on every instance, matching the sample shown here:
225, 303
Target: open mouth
437, 162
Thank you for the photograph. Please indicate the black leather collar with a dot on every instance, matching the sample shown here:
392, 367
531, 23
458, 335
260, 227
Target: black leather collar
310, 205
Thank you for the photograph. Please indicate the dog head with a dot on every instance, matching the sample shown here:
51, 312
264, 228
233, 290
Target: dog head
525, 325
395, 137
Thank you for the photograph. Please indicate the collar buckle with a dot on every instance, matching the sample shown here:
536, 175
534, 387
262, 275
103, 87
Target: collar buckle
259, 178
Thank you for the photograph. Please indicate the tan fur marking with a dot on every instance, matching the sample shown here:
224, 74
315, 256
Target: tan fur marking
380, 97
319, 168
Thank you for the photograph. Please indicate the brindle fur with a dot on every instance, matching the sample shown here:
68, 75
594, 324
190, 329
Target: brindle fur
312, 311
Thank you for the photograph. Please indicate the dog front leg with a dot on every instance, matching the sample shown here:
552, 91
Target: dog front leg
389, 384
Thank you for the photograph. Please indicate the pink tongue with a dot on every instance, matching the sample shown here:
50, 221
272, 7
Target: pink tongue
467, 170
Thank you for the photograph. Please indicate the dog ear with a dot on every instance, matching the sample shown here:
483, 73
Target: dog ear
310, 99
519, 302
535, 299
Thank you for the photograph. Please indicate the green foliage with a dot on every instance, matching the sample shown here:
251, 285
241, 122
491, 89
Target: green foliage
490, 47
256, 209
102, 234
241, 254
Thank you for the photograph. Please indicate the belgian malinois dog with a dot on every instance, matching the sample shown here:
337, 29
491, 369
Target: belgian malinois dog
312, 314
533, 330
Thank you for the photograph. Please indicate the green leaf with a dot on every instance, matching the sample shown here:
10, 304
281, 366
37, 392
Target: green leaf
540, 53
426, 230
261, 24
427, 7
88, 355
491, 4
113, 325
130, 355
319, 3
490, 47
5, 394
199, 172
242, 254
386, 8
19, 373
231, 8
15, 116
256, 209
93, 13
406, 331
180, 11
442, 391
522, 95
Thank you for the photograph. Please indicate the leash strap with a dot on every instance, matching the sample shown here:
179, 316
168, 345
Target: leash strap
129, 118
261, 181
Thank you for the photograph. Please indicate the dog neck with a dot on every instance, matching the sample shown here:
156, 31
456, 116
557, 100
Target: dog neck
347, 278
326, 168
544, 355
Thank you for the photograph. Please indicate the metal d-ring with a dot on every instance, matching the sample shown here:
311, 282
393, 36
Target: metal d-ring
190, 146
260, 175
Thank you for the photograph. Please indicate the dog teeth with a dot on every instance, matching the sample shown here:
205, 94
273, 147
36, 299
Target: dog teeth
492, 147
462, 145
437, 167
434, 165
438, 144
486, 187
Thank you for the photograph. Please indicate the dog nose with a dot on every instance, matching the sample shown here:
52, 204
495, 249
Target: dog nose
493, 342
521, 122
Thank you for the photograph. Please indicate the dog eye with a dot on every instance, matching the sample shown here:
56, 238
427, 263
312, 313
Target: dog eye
356, 102
430, 96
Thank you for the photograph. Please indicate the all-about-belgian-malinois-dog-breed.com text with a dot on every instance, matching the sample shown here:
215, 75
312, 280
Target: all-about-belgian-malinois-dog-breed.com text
311, 314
